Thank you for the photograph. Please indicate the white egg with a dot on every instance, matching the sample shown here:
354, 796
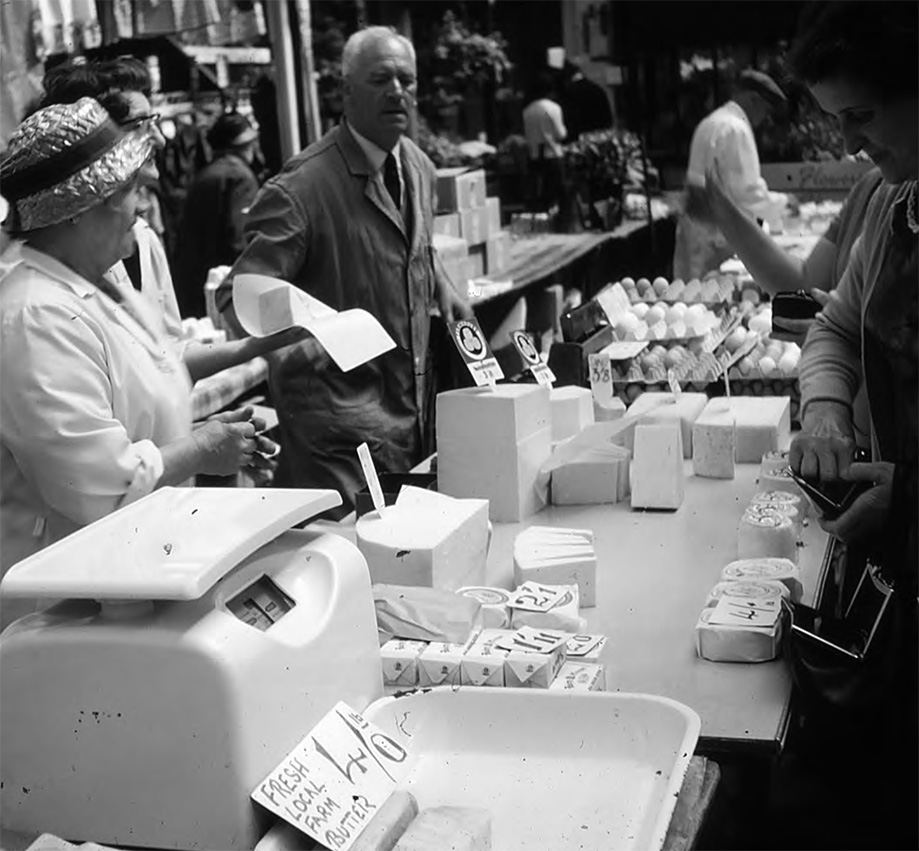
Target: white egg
788, 363
745, 365
660, 286
735, 339
676, 329
655, 314
672, 315
628, 322
640, 309
628, 282
767, 366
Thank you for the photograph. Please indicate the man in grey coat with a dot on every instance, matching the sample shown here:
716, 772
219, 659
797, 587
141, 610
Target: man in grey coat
350, 220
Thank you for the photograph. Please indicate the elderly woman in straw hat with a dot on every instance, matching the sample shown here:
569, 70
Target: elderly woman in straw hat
94, 402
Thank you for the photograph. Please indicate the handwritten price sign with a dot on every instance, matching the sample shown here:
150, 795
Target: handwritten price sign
534, 597
530, 640
335, 780
735, 611
601, 377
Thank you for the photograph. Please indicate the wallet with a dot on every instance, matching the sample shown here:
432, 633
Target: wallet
795, 305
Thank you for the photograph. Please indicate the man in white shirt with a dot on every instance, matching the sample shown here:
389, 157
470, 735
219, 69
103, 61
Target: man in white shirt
726, 137
544, 129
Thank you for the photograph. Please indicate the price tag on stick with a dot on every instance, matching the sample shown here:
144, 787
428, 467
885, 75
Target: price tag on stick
470, 342
370, 474
531, 358
601, 378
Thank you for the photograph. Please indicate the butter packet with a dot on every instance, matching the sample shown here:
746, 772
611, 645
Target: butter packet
399, 658
579, 677
439, 663
593, 649
562, 616
533, 670
483, 662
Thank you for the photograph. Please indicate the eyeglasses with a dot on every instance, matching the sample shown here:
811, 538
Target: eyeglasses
142, 122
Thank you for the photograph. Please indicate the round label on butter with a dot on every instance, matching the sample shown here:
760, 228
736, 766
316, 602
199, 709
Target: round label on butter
746, 588
487, 596
766, 517
775, 497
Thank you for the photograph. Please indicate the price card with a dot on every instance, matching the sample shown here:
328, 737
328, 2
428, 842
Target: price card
601, 377
737, 611
531, 358
469, 340
615, 302
334, 781
370, 474
583, 645
530, 640
533, 597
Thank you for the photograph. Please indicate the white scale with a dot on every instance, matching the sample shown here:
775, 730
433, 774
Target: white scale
200, 639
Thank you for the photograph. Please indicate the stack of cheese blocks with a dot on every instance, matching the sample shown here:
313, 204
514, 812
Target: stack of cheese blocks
775, 475
426, 539
770, 526
742, 619
466, 213
557, 556
491, 444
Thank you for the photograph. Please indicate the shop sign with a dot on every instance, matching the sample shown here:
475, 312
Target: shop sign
531, 358
470, 341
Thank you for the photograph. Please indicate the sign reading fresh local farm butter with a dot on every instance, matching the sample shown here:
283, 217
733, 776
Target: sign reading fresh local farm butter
470, 341
334, 781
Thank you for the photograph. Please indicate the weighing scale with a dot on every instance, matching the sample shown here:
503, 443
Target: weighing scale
200, 639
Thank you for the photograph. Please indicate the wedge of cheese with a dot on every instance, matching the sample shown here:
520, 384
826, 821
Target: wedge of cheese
713, 442
572, 410
439, 545
388, 824
762, 424
448, 829
595, 477
657, 466
665, 407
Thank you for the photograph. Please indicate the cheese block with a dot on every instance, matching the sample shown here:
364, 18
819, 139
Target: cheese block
657, 466
781, 480
563, 616
439, 663
769, 569
664, 407
776, 498
448, 829
572, 410
506, 414
762, 424
553, 556
483, 663
579, 677
493, 601
388, 823
610, 410
748, 589
532, 670
783, 508
400, 662
767, 534
595, 477
723, 643
774, 461
440, 545
713, 446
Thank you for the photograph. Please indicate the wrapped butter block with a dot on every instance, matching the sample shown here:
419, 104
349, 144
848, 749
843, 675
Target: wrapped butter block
572, 410
425, 614
762, 424
596, 477
438, 545
493, 602
483, 663
491, 444
439, 663
713, 444
724, 643
388, 823
595, 649
614, 409
557, 556
532, 670
448, 829
580, 676
563, 616
400, 662
768, 569
664, 407
767, 534
749, 589
657, 466
782, 498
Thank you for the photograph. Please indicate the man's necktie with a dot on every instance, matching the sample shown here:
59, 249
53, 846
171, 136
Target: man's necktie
391, 180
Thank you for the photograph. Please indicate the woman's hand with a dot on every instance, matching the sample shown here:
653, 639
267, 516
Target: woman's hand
225, 443
866, 516
824, 448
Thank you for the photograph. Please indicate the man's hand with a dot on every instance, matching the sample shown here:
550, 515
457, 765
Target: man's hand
452, 306
865, 518
824, 448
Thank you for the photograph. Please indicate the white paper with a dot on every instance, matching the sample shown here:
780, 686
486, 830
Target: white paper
615, 302
265, 305
737, 611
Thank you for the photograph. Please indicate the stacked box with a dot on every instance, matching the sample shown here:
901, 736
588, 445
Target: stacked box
497, 251
476, 267
491, 444
447, 224
474, 225
572, 411
460, 189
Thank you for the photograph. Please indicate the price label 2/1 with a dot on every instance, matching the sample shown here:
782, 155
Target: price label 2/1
601, 377
534, 597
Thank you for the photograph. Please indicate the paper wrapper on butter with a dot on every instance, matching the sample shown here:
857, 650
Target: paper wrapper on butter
532, 670
400, 662
782, 499
563, 616
483, 663
579, 677
493, 603
722, 643
768, 569
748, 589
781, 480
766, 534
440, 662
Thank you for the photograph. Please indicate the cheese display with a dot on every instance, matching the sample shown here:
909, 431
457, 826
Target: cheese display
435, 541
766, 533
557, 556
579, 676
661, 407
400, 662
563, 614
782, 498
572, 410
388, 823
595, 477
714, 444
483, 662
439, 663
657, 466
492, 443
762, 424
448, 829
769, 569
493, 603
726, 643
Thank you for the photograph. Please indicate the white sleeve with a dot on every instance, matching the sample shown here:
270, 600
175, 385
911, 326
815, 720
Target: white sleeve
735, 150
558, 123
57, 415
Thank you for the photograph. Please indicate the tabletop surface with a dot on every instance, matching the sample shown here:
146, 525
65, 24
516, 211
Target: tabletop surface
654, 571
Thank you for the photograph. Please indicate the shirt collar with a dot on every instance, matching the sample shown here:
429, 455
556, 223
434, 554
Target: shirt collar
57, 270
376, 156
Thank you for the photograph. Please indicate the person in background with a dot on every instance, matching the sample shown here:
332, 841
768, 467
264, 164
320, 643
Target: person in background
349, 220
726, 136
585, 105
544, 129
211, 233
859, 62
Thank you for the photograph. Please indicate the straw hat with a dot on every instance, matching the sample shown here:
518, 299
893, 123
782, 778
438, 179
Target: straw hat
65, 159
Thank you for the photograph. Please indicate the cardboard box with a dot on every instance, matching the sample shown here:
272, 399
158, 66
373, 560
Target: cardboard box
460, 189
450, 248
476, 266
494, 214
498, 252
447, 224
474, 225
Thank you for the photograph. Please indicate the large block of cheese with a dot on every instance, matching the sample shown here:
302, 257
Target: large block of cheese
657, 466
762, 424
448, 829
438, 545
713, 445
664, 407
492, 444
572, 410
556, 556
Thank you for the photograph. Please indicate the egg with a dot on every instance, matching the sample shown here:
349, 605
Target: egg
672, 315
751, 334
788, 363
660, 286
761, 323
628, 283
626, 323
767, 366
638, 332
681, 307
641, 309
643, 283
659, 351
676, 330
735, 339
696, 347
773, 350
691, 293
634, 297
655, 314
750, 295
648, 362
657, 331
672, 358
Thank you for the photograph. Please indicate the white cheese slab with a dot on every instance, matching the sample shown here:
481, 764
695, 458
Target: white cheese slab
663, 407
713, 441
657, 466
572, 410
762, 423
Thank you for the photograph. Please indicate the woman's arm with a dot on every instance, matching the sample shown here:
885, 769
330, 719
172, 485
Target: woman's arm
204, 359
